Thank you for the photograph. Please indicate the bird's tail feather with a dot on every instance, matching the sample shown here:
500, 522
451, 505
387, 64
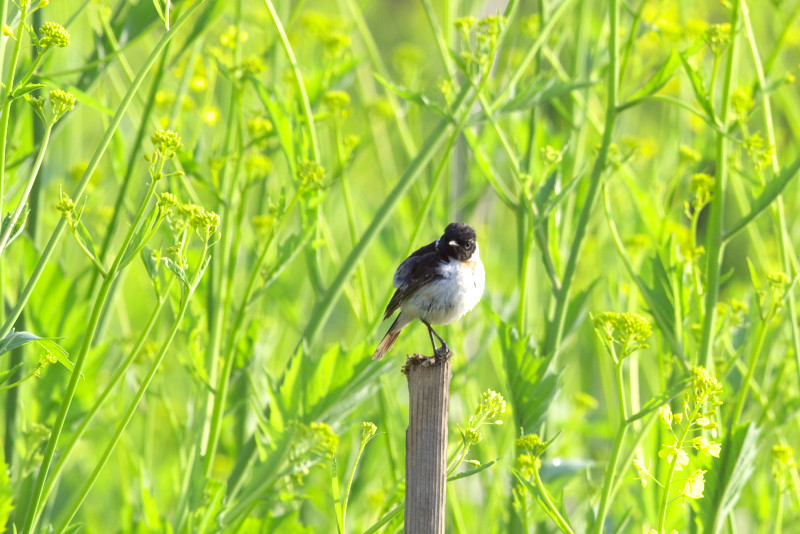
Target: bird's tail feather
389, 339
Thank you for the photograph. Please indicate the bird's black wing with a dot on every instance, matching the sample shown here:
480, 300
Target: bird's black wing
416, 271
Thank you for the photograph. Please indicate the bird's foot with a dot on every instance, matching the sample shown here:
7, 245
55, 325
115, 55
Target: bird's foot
443, 353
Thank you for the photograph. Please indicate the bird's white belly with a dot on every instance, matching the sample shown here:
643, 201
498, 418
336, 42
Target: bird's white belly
447, 299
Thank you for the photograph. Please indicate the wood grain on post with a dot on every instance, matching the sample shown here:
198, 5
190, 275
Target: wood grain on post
426, 443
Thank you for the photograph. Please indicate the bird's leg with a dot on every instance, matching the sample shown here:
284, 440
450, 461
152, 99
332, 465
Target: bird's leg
431, 333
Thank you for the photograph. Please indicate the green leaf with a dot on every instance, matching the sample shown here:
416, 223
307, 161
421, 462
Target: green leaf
700, 92
25, 89
161, 12
541, 93
661, 77
141, 236
56, 350
15, 340
531, 382
19, 225
471, 472
577, 309
85, 241
409, 95
150, 263
725, 483
388, 516
656, 402
177, 270
774, 188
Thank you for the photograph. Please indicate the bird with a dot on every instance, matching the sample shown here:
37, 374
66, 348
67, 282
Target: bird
437, 284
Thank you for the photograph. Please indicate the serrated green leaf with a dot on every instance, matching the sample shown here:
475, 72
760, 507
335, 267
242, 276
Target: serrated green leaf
531, 382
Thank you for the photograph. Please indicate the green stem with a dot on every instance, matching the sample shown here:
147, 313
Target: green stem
608, 479
26, 193
123, 424
36, 62
751, 371
6, 109
22, 380
90, 169
523, 275
714, 237
58, 427
556, 330
350, 483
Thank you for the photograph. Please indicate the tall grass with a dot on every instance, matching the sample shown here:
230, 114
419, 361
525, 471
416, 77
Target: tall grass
204, 202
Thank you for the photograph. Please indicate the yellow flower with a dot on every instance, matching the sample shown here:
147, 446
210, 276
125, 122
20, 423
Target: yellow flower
707, 447
695, 485
644, 473
198, 83
674, 455
211, 115
665, 413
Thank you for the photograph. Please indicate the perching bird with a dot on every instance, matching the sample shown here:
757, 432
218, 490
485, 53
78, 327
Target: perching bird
437, 284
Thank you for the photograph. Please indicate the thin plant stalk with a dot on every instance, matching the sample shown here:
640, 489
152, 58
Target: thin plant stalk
37, 164
715, 245
7, 100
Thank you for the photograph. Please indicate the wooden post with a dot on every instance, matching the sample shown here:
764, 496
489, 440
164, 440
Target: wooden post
426, 442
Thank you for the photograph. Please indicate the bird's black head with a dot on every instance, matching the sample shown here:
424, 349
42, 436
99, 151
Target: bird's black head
459, 241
